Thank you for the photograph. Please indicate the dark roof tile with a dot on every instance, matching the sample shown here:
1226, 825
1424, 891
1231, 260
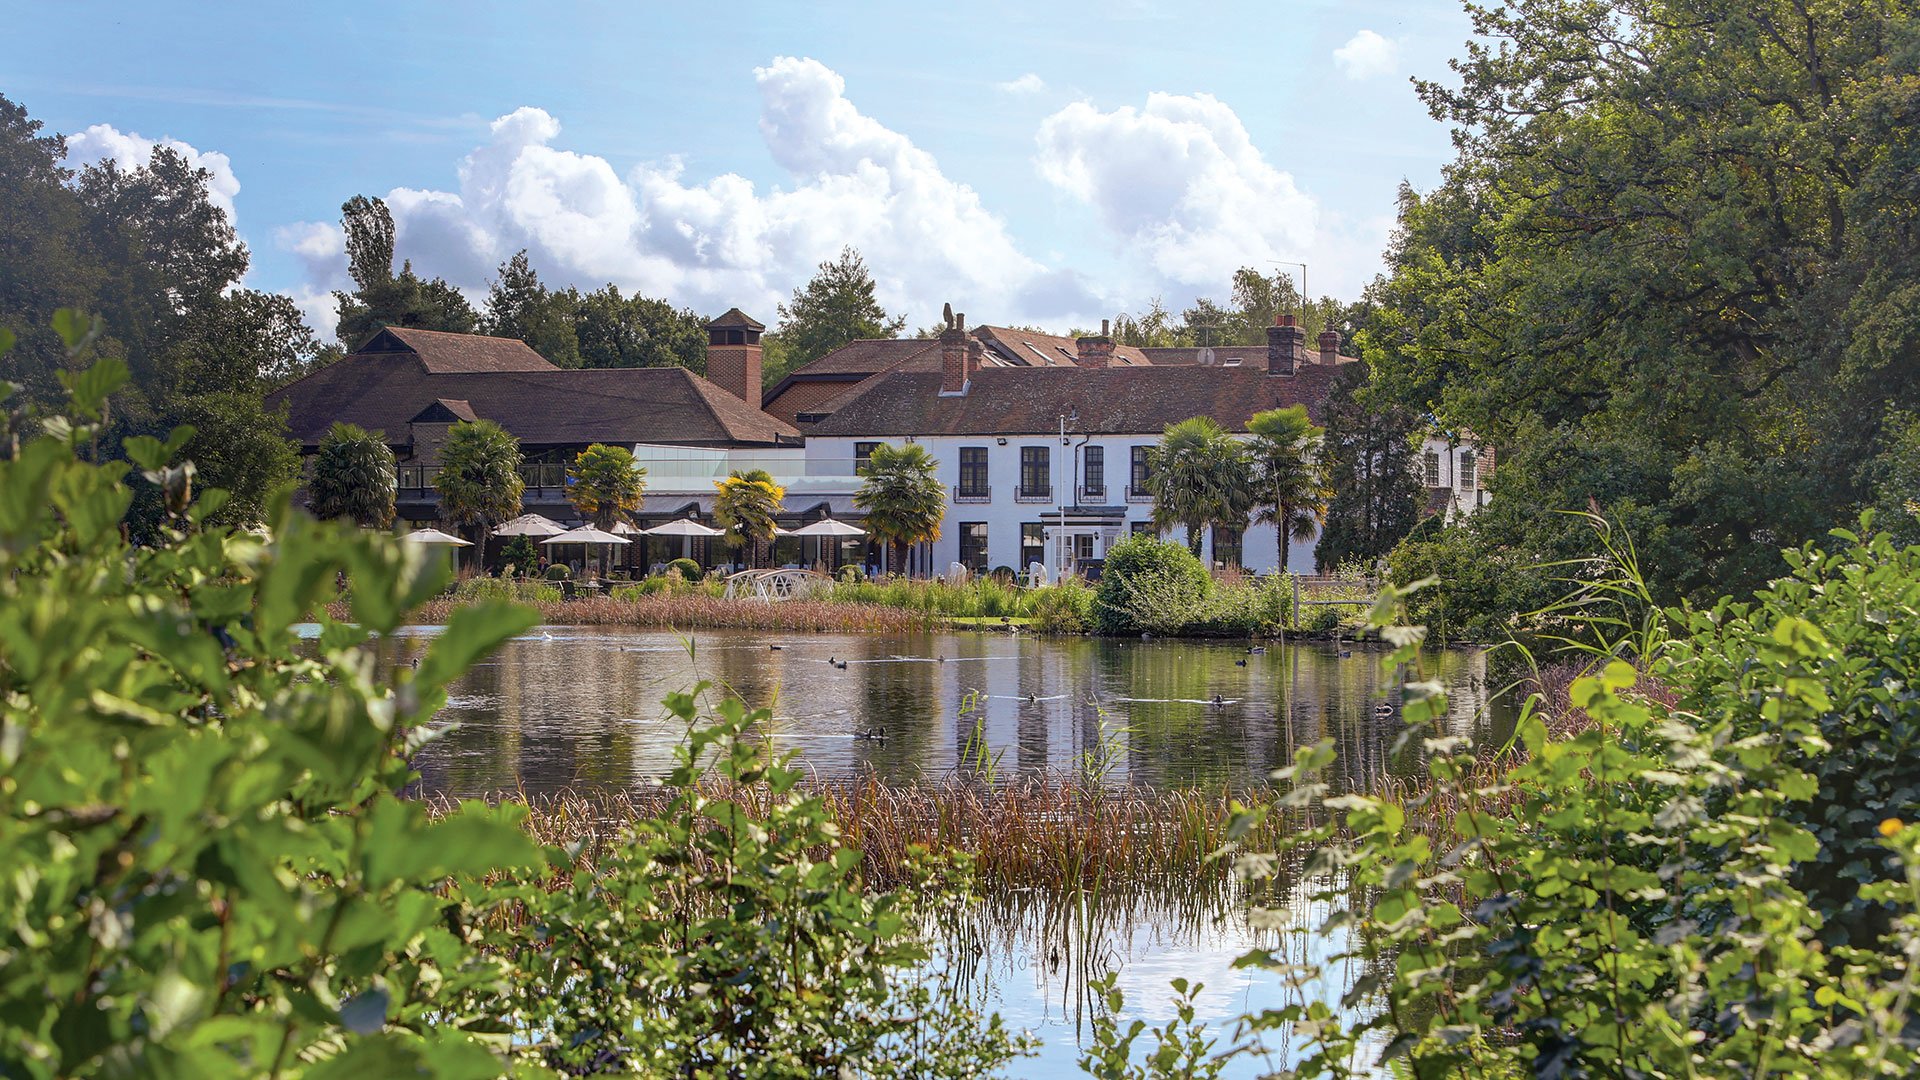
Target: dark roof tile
443, 353
551, 406
1025, 401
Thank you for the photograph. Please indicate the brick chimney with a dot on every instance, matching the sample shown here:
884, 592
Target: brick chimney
1330, 347
959, 357
733, 355
1095, 352
1285, 342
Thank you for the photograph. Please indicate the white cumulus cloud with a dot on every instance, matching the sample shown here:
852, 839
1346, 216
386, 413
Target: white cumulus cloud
1025, 84
1180, 183
129, 150
1367, 54
724, 241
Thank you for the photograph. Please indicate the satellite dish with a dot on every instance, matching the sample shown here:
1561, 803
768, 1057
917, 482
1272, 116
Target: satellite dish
1206, 357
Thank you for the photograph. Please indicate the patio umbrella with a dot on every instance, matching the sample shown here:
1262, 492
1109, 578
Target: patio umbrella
828, 527
435, 536
586, 534
686, 529
683, 527
625, 528
530, 525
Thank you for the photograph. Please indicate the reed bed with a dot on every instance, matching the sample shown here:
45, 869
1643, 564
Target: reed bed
685, 611
1056, 834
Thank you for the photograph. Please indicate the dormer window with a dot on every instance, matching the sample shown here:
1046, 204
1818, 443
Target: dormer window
1469, 470
1432, 468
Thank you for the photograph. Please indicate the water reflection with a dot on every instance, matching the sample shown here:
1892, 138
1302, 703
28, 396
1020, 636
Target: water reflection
578, 707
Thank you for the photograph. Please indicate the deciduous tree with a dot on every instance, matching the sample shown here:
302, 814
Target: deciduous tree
836, 307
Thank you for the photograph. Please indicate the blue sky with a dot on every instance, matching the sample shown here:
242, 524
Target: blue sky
1029, 163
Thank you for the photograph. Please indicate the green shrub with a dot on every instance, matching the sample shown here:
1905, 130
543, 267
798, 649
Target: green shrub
1150, 584
559, 572
687, 569
1643, 893
1863, 746
1066, 608
519, 556
210, 873
506, 589
649, 951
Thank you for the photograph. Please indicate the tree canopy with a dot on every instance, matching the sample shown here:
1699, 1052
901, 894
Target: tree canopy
746, 505
1288, 483
382, 298
148, 251
1671, 273
835, 307
1368, 453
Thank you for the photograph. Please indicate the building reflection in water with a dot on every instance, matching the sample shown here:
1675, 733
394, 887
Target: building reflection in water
579, 707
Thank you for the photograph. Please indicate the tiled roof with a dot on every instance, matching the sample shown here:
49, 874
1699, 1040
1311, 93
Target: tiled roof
443, 353
1247, 355
445, 411
736, 317
550, 406
1034, 349
1025, 401
868, 356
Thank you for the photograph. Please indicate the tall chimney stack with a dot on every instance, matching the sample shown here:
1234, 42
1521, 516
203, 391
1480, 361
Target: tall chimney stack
959, 356
1330, 347
1095, 352
733, 355
1285, 343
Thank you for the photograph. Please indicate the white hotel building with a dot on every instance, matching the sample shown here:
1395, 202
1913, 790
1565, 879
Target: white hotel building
1041, 441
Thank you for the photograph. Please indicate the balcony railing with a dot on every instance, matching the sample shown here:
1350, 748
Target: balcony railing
415, 477
1138, 494
544, 475
982, 494
1033, 495
1092, 496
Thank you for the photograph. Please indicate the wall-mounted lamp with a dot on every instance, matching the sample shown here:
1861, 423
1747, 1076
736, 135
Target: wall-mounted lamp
1002, 440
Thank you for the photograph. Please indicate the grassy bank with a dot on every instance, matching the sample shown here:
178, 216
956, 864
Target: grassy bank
1237, 605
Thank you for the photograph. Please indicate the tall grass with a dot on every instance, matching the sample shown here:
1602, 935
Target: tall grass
1056, 833
696, 610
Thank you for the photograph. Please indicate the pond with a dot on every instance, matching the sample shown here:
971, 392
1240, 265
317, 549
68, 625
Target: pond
577, 709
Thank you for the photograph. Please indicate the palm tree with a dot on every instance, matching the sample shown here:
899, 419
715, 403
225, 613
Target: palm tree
747, 504
353, 477
479, 481
1287, 480
605, 485
1199, 476
903, 500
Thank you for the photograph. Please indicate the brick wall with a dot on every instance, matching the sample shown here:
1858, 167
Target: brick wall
802, 397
